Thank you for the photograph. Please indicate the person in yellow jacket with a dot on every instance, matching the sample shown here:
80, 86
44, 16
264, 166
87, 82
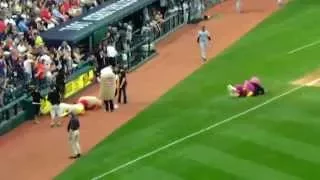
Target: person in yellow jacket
38, 41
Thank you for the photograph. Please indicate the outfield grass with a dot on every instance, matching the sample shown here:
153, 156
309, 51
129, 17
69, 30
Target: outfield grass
278, 141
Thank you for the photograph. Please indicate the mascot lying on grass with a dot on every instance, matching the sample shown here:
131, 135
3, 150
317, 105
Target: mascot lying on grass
77, 109
249, 88
90, 102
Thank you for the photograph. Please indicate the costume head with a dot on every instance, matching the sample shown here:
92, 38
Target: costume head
255, 79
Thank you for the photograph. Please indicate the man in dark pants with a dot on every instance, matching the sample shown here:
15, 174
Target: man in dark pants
74, 135
122, 87
60, 82
109, 105
55, 99
36, 98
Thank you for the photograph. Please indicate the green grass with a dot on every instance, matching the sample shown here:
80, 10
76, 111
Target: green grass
279, 141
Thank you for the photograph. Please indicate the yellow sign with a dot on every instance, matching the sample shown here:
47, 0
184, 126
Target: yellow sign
79, 83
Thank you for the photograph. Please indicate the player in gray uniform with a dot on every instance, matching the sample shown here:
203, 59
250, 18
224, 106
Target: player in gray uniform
203, 40
238, 6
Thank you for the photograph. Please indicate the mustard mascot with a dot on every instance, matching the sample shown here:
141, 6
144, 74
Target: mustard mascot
107, 88
77, 109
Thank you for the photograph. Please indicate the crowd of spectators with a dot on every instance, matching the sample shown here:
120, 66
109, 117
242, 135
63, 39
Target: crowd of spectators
24, 57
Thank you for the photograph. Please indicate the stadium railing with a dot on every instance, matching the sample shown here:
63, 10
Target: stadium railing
143, 48
20, 108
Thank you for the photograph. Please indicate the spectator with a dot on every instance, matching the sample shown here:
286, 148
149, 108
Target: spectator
64, 48
146, 15
22, 24
111, 55
75, 9
60, 82
38, 41
47, 17
36, 99
77, 56
40, 73
129, 32
22, 46
88, 4
3, 27
65, 7
100, 59
123, 38
163, 6
57, 14
185, 8
28, 66
3, 67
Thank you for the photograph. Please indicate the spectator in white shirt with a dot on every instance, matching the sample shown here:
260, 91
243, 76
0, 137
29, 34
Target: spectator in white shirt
111, 55
47, 61
48, 66
28, 64
64, 48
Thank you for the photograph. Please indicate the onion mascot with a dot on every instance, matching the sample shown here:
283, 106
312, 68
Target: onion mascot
90, 102
107, 87
249, 88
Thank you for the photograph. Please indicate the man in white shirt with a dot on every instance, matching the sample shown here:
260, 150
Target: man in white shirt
111, 55
64, 48
47, 63
27, 65
203, 40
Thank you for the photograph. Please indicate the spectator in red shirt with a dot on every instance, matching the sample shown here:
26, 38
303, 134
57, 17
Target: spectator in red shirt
75, 3
3, 28
65, 7
40, 71
46, 16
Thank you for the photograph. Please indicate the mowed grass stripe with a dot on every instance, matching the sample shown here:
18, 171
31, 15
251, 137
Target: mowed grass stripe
174, 164
231, 164
147, 173
295, 117
279, 143
261, 154
299, 130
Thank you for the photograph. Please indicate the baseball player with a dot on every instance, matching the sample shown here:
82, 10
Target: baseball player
238, 6
280, 3
203, 40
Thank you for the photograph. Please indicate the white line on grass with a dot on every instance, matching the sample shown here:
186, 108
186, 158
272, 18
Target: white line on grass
304, 47
202, 131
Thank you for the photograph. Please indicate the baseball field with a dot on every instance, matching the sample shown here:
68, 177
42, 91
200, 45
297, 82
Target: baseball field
196, 131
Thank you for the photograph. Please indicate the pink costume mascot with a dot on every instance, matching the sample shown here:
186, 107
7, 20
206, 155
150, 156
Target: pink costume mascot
250, 87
